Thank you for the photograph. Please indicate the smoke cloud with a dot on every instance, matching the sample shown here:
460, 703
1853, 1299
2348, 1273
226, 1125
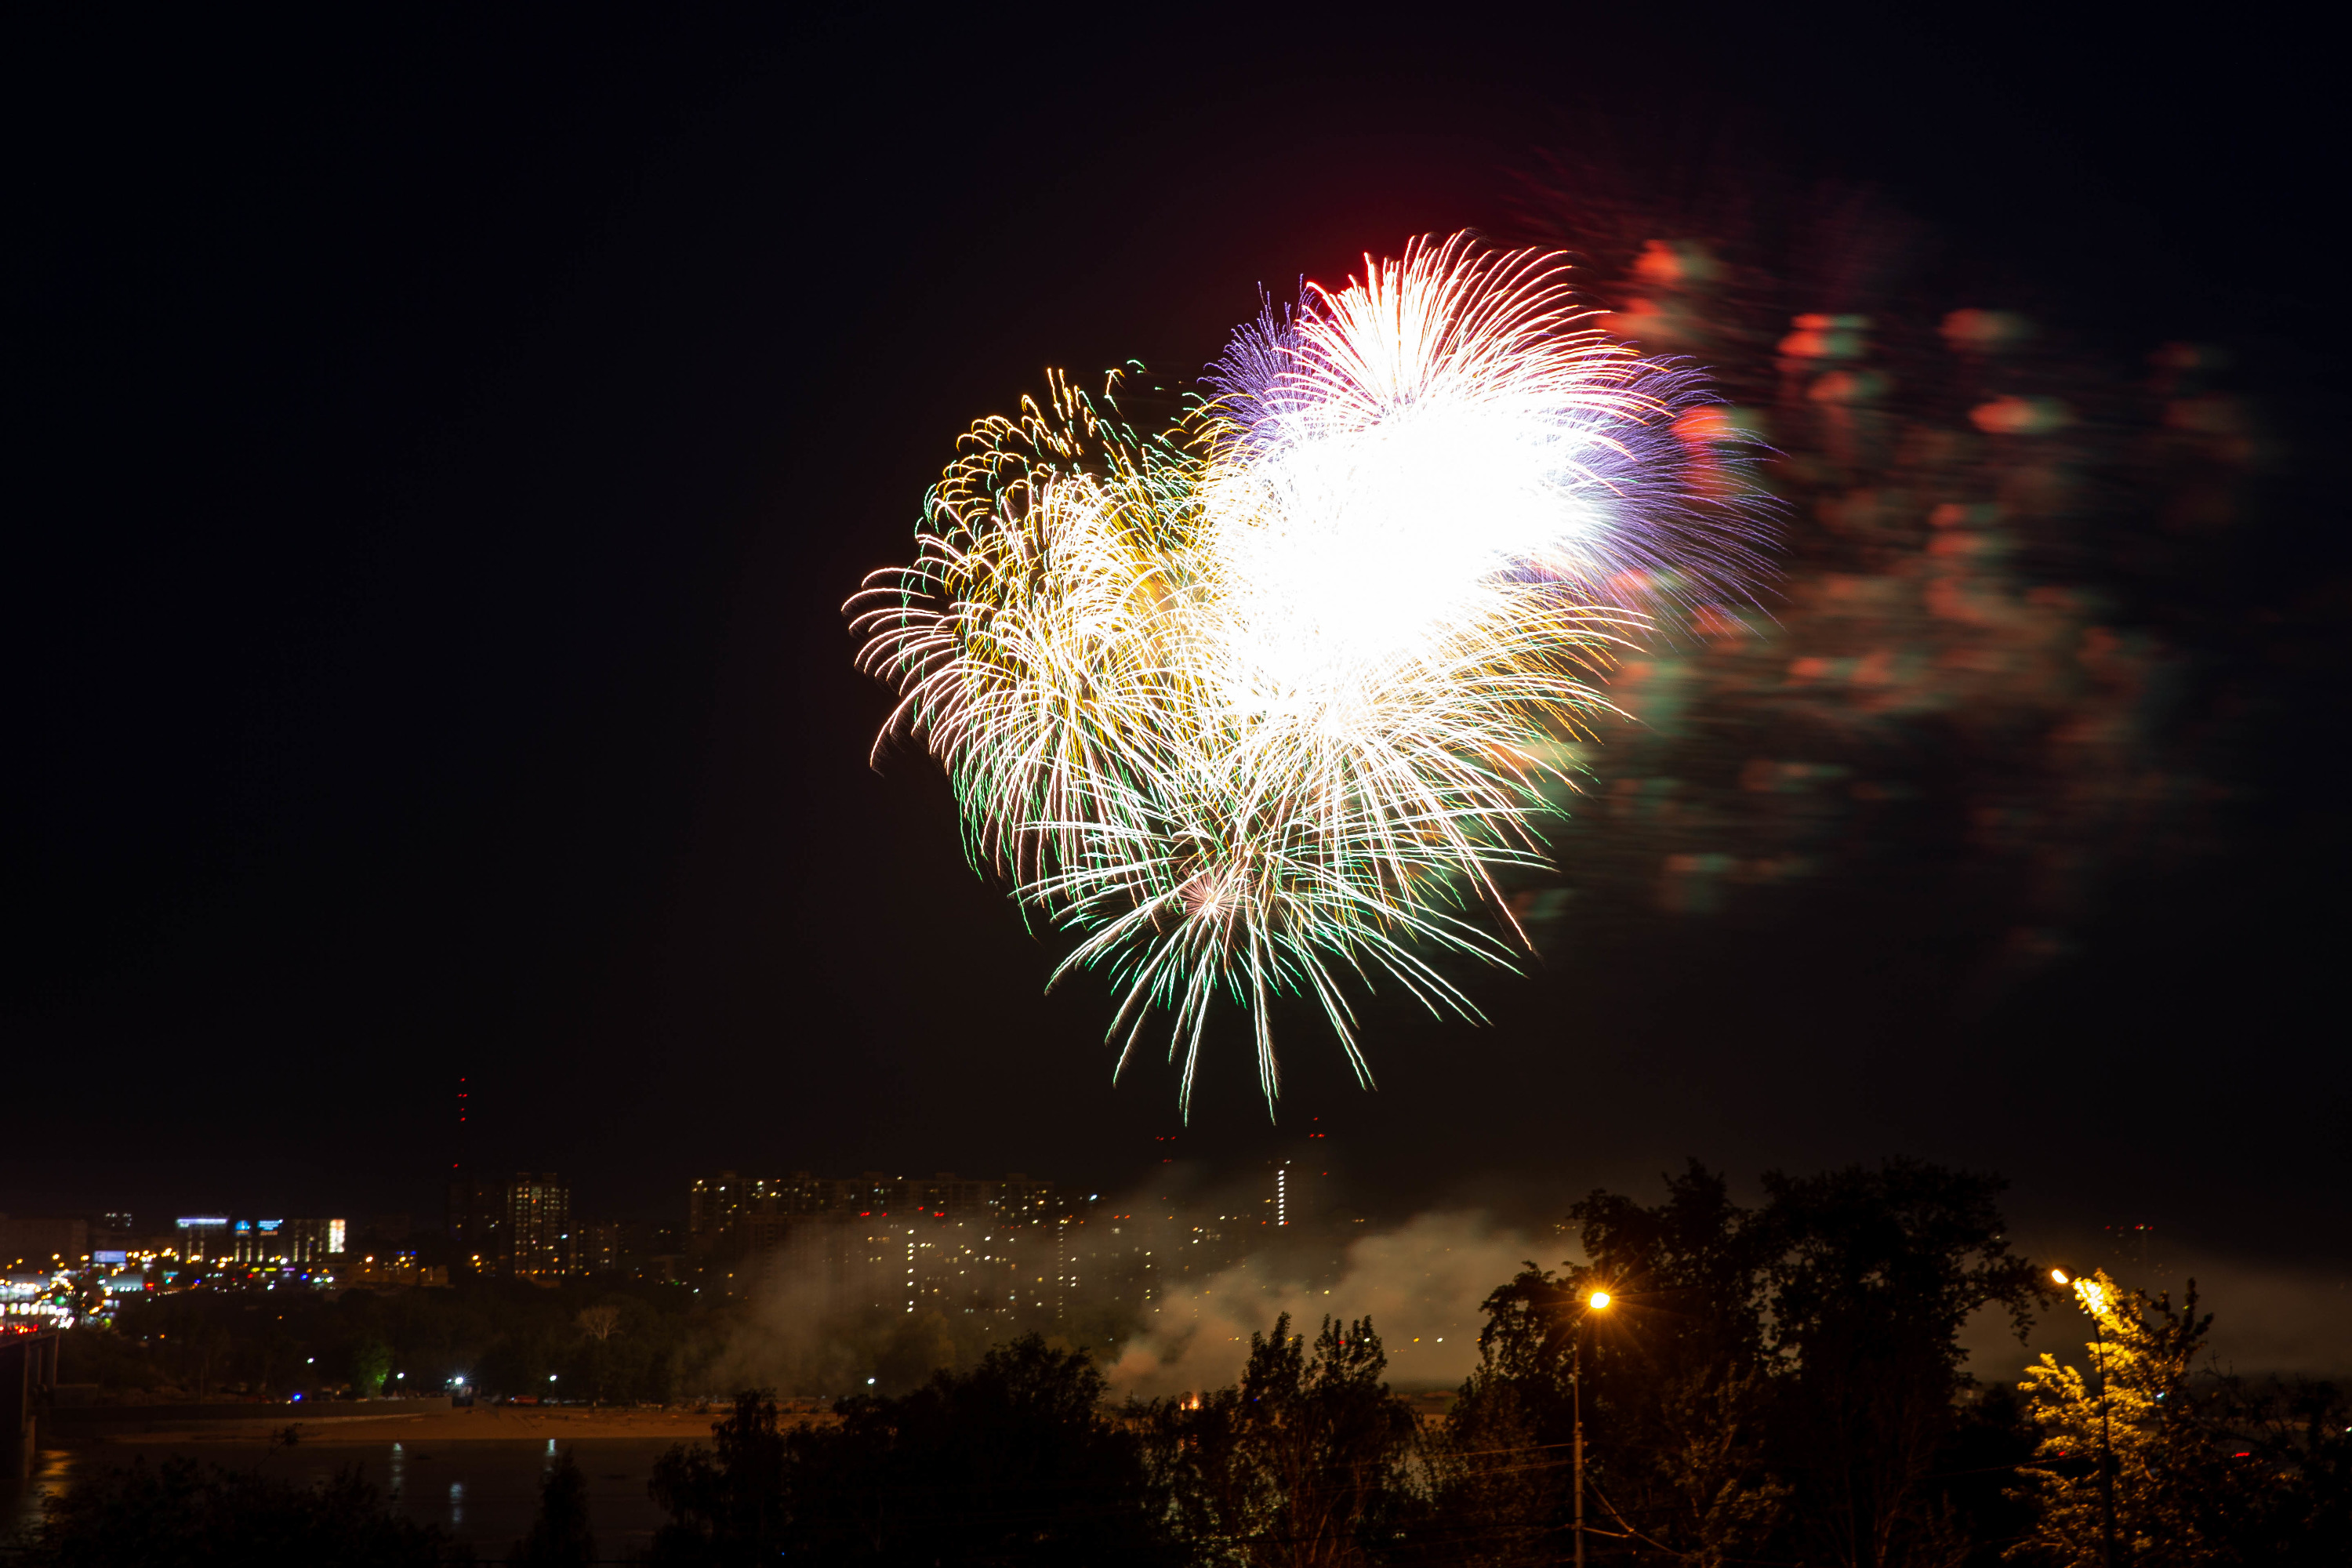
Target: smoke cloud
1421, 1284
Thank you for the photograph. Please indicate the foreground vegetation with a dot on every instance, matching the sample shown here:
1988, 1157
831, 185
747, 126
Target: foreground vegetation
1778, 1385
1781, 1385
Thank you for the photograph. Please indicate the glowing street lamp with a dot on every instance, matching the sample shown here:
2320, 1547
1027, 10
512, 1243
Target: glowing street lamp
1596, 1303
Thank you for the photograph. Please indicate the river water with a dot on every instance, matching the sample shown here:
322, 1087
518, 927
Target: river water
482, 1490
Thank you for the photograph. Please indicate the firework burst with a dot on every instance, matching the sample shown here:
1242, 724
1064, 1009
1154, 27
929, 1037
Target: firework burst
1261, 704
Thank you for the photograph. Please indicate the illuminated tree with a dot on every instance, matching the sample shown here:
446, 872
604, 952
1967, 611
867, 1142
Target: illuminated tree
597, 1325
2126, 1434
371, 1364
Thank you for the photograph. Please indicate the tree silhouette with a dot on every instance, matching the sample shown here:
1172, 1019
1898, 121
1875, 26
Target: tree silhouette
726, 1501
559, 1536
1873, 1274
1300, 1464
1779, 1381
1675, 1389
1013, 1462
176, 1514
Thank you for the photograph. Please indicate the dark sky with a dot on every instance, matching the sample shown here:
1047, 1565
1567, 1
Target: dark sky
442, 450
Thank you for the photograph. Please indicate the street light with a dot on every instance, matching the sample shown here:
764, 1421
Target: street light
1596, 1303
2094, 1300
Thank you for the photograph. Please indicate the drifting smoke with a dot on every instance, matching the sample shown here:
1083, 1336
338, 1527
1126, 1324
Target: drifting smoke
1421, 1284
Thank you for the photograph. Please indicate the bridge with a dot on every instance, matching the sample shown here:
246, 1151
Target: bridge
28, 1381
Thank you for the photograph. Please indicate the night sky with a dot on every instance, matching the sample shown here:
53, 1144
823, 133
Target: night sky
442, 452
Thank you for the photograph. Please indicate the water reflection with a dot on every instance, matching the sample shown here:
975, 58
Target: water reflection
21, 1501
485, 1491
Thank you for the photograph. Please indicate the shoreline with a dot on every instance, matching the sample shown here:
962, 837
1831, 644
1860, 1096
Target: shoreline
485, 1423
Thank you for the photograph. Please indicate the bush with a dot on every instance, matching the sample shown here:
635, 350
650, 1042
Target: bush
175, 1516
560, 1537
1011, 1462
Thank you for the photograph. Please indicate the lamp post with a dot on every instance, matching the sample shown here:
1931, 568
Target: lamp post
1596, 1303
2091, 1299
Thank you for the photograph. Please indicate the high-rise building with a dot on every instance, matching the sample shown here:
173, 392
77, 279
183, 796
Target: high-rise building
755, 1213
517, 1225
476, 1221
898, 1244
601, 1248
538, 1227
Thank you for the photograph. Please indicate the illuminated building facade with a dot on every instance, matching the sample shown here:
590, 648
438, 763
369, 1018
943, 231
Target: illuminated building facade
538, 1227
600, 1249
202, 1237
517, 1225
941, 1243
729, 1211
284, 1243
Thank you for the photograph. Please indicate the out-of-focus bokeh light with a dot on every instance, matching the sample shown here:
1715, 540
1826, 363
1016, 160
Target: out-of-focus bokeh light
1975, 673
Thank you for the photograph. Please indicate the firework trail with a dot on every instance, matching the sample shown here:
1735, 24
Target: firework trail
1261, 704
